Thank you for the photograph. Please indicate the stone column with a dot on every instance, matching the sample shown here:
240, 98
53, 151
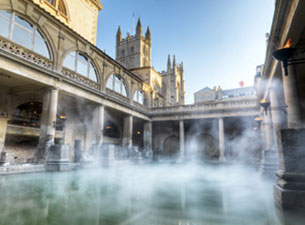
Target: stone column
3, 125
100, 124
182, 139
292, 99
127, 132
221, 137
269, 163
147, 136
267, 126
278, 113
47, 124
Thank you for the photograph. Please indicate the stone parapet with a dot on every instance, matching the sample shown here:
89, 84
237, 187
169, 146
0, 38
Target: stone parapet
25, 168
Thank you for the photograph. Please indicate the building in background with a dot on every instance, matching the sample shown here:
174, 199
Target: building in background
207, 94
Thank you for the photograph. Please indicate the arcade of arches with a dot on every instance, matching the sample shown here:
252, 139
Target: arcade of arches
56, 87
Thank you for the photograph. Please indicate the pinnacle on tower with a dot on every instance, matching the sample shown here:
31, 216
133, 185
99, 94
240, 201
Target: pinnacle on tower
174, 62
169, 63
148, 35
181, 66
139, 28
119, 35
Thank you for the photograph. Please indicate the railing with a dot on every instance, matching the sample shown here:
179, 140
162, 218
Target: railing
217, 105
79, 78
117, 95
24, 53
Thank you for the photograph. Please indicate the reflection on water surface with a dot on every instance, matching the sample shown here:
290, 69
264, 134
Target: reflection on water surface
139, 195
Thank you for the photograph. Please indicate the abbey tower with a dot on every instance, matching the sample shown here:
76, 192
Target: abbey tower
134, 53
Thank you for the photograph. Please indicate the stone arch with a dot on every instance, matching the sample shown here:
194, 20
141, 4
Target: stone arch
90, 60
206, 147
143, 93
171, 147
125, 83
44, 32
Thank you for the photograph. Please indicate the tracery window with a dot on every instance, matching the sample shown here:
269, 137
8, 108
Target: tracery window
139, 97
81, 64
59, 5
116, 84
18, 30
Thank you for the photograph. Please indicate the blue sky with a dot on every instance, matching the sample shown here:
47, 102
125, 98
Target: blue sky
219, 41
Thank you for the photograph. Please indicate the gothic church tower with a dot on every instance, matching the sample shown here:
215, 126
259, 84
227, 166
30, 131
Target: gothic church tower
134, 51
173, 83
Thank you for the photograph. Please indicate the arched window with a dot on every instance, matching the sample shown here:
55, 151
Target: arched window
81, 64
116, 84
59, 5
139, 97
22, 32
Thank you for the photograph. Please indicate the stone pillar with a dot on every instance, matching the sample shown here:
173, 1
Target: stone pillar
147, 136
100, 124
292, 99
127, 132
289, 192
3, 125
182, 139
47, 124
269, 163
278, 113
221, 137
267, 126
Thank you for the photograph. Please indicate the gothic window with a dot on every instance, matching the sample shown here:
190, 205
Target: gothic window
139, 97
58, 5
81, 64
131, 49
207, 97
123, 52
116, 84
22, 32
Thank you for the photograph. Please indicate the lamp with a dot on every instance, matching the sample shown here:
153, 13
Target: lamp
264, 104
284, 54
258, 120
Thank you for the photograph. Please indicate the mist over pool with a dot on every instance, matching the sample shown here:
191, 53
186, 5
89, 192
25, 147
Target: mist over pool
139, 194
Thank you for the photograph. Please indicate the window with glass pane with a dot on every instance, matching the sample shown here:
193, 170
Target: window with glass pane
110, 82
141, 98
92, 73
116, 84
82, 68
124, 93
4, 26
40, 45
70, 61
22, 37
22, 32
81, 65
135, 97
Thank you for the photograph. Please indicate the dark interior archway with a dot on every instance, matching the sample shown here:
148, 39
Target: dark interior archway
207, 147
27, 114
171, 147
111, 130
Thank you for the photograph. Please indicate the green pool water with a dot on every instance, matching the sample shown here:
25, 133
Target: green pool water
139, 195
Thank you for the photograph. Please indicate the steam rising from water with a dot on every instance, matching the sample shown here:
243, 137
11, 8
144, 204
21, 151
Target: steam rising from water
139, 195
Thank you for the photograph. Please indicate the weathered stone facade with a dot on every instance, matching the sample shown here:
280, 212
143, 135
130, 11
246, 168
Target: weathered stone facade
71, 93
